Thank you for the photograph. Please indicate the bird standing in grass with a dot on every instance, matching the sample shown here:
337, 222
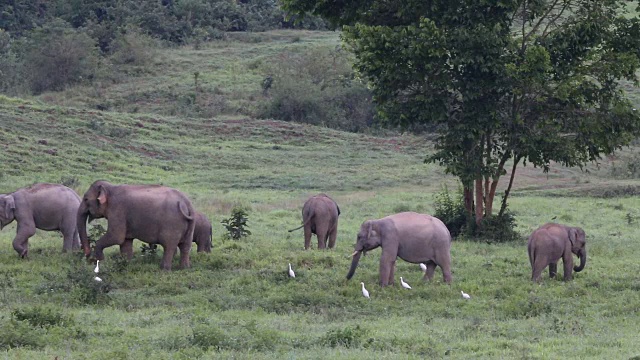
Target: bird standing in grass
97, 269
404, 284
97, 279
365, 293
291, 273
423, 267
465, 295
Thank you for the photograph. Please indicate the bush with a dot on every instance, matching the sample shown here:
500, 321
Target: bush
236, 224
451, 210
14, 333
348, 337
57, 56
42, 317
132, 47
317, 88
493, 229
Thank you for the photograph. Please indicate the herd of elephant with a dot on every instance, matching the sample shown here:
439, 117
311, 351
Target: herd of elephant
164, 216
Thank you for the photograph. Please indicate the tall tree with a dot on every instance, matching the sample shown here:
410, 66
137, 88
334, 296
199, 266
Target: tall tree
505, 80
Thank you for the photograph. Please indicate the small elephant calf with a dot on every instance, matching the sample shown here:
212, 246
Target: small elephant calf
549, 243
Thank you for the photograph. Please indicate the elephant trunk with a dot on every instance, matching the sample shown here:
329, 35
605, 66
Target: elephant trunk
354, 263
83, 213
583, 260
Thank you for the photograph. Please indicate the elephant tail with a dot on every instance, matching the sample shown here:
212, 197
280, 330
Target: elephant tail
303, 224
187, 211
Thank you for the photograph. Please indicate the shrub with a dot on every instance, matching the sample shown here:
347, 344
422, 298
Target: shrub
14, 333
57, 56
236, 224
43, 317
450, 210
317, 88
497, 229
348, 337
132, 47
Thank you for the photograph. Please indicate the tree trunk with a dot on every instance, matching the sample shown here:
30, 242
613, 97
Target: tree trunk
468, 200
503, 207
479, 203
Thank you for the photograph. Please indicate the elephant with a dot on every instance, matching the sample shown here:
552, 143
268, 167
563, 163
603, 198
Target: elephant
153, 214
416, 238
550, 242
41, 206
320, 216
203, 233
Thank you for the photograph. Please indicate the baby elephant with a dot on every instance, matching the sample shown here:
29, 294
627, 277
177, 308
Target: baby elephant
549, 243
41, 206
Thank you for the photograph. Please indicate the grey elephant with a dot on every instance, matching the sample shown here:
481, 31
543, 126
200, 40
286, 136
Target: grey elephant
203, 233
151, 213
320, 216
551, 242
41, 206
416, 238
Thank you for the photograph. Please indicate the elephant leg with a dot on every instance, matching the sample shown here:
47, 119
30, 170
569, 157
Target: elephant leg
387, 261
333, 234
167, 257
21, 241
126, 249
307, 236
321, 232
538, 266
70, 235
446, 272
567, 261
431, 268
553, 270
185, 248
113, 236
392, 272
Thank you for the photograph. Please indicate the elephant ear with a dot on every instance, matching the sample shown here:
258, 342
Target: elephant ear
573, 236
9, 207
102, 195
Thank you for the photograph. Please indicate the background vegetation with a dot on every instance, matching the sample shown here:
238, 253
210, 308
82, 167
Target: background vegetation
154, 121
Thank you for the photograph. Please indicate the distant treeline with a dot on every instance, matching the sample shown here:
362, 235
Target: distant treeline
177, 21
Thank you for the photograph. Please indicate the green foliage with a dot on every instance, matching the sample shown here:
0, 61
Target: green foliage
16, 334
348, 337
318, 87
450, 210
132, 47
56, 56
42, 316
496, 229
236, 224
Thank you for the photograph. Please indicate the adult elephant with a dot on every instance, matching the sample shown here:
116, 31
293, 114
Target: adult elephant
41, 206
550, 242
151, 213
416, 238
320, 216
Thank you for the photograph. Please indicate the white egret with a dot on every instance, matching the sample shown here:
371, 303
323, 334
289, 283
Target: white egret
291, 273
465, 295
423, 267
97, 269
97, 279
365, 293
404, 284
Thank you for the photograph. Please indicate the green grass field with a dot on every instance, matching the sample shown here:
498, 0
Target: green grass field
238, 301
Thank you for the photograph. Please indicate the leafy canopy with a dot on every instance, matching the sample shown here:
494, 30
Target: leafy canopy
529, 80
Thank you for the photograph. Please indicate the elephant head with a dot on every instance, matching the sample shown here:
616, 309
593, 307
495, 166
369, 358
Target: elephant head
7, 210
578, 246
94, 205
369, 238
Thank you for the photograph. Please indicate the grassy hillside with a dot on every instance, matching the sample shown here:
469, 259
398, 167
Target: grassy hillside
238, 301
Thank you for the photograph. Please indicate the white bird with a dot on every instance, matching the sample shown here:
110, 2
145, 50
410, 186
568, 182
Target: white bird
365, 293
97, 269
97, 279
423, 267
291, 273
404, 284
465, 295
